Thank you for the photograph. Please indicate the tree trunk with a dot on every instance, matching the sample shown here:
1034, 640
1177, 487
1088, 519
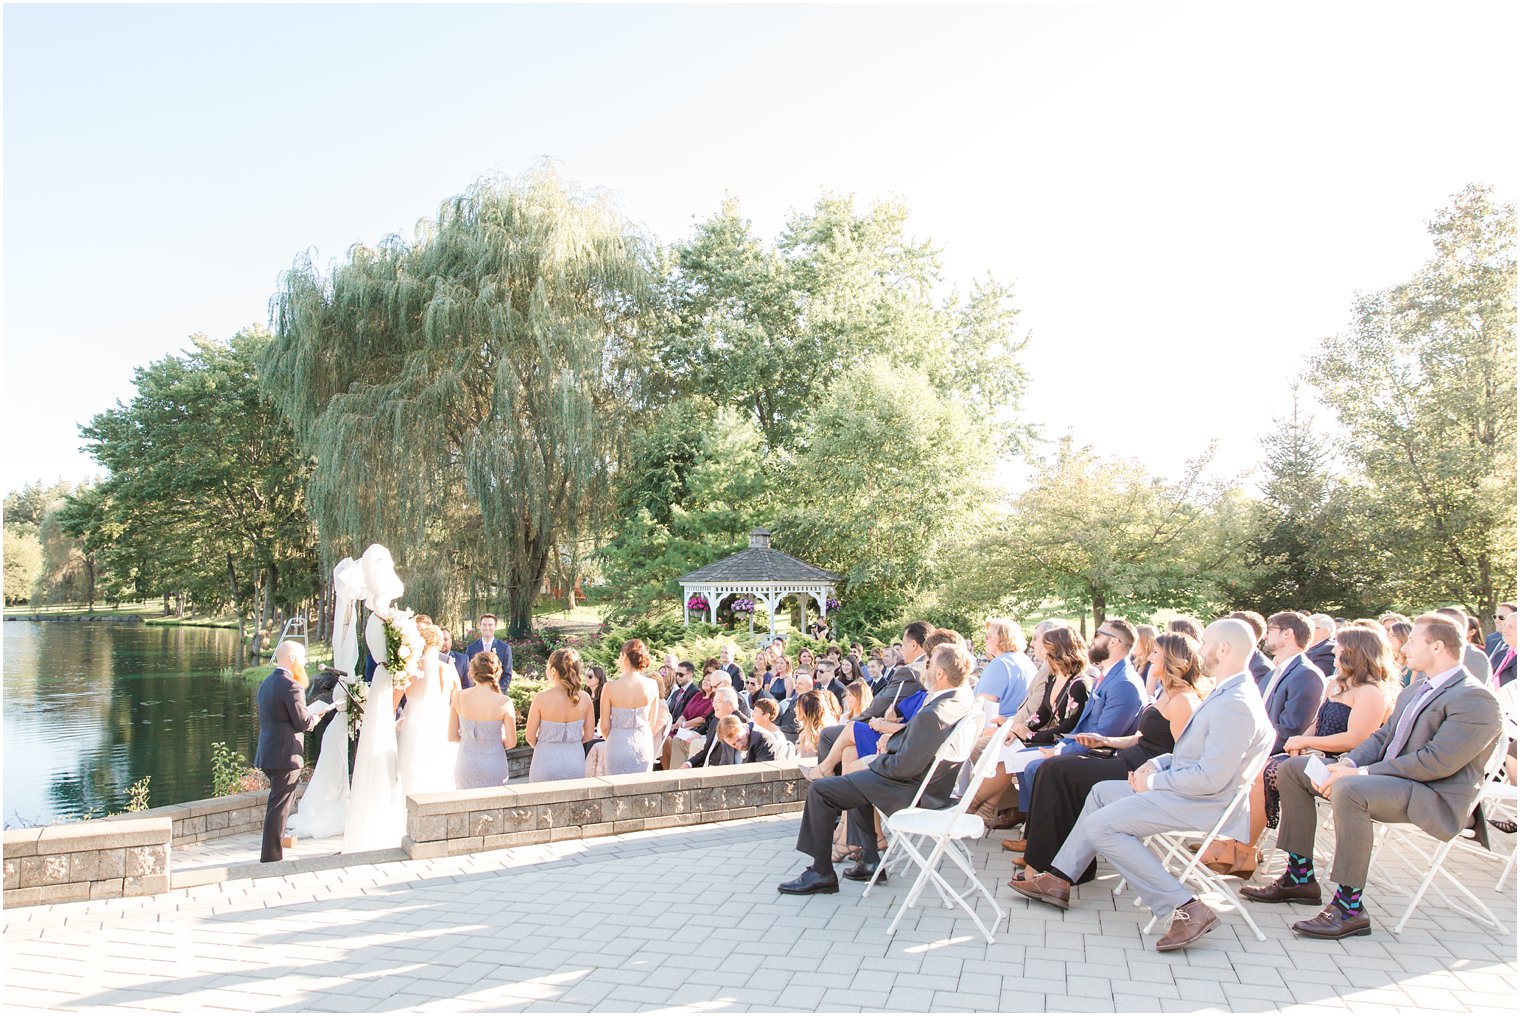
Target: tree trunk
89, 567
1100, 609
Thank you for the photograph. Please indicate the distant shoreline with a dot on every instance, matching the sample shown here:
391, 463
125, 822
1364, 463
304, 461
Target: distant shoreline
159, 622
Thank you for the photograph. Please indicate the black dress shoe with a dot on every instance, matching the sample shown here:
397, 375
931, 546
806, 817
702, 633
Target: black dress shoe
1283, 890
807, 883
860, 871
1331, 923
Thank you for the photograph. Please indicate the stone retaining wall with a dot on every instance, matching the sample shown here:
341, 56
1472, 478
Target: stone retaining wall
464, 821
214, 817
87, 860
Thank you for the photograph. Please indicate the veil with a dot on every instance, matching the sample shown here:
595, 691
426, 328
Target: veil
323, 810
376, 809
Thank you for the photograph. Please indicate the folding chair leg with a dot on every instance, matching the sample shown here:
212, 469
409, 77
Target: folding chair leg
1484, 915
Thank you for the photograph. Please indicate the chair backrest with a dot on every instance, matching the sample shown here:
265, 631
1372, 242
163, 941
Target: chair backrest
1242, 796
955, 748
984, 768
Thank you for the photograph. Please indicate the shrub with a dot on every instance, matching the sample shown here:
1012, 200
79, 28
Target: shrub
137, 795
229, 770
521, 691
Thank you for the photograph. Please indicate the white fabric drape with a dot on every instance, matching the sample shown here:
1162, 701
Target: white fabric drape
376, 809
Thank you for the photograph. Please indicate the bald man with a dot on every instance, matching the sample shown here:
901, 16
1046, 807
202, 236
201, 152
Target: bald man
1223, 747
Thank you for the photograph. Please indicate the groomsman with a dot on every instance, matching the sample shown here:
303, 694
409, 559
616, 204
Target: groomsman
460, 661
488, 643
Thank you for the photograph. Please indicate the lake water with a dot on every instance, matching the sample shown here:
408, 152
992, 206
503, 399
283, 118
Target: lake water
92, 707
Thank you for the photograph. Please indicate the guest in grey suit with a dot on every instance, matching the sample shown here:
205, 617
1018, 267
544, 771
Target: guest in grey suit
283, 718
905, 679
1424, 766
1224, 745
889, 782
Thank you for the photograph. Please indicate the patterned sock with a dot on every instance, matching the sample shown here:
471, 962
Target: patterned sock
1300, 869
1349, 900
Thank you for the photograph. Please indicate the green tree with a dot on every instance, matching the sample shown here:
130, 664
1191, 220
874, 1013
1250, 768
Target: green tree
466, 394
25, 508
1423, 384
205, 498
1103, 537
890, 474
694, 485
770, 330
23, 564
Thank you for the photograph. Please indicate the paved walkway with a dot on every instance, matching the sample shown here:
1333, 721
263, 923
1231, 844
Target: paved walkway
688, 919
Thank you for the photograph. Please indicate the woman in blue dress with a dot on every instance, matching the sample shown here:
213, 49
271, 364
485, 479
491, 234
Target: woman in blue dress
862, 739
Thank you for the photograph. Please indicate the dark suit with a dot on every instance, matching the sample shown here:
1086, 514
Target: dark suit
680, 698
1503, 661
889, 783
763, 747
736, 676
1493, 640
1295, 699
461, 664
1322, 655
1261, 668
283, 718
503, 653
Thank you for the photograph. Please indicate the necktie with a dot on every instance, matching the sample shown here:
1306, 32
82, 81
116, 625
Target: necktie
1406, 721
1509, 658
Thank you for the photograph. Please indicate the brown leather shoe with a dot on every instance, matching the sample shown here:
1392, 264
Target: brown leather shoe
1283, 890
1190, 922
1044, 888
1016, 846
1331, 923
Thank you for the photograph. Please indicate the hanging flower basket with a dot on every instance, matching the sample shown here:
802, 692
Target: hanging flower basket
832, 604
697, 602
744, 605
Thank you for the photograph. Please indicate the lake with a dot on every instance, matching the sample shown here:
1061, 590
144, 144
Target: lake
92, 707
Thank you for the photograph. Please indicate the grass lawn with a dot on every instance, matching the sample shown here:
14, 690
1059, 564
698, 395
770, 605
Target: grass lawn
582, 614
145, 608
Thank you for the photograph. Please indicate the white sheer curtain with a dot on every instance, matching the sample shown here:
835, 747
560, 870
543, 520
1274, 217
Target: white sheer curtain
376, 809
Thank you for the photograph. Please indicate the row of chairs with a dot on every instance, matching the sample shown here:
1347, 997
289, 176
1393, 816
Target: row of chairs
926, 838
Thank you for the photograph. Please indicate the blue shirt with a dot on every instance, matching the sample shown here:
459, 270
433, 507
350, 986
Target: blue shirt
1007, 678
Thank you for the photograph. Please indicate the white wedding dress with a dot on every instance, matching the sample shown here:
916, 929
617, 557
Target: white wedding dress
426, 755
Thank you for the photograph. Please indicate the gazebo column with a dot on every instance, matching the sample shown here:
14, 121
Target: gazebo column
712, 608
802, 605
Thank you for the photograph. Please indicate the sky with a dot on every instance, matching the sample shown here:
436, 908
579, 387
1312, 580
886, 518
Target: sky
1186, 198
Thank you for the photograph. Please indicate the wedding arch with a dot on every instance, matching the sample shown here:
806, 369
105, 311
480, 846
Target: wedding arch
760, 572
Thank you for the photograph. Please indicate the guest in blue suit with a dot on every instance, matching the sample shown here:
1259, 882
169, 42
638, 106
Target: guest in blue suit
488, 643
1114, 705
1296, 687
460, 661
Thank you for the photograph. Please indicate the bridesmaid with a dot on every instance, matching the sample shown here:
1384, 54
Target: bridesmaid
481, 720
630, 709
560, 722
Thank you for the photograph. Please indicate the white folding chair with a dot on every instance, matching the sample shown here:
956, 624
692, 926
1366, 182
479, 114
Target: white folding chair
1432, 864
942, 830
1172, 846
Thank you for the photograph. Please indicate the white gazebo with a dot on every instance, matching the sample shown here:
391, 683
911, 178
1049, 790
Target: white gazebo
763, 574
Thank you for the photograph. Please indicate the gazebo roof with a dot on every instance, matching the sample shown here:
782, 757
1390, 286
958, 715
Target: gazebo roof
759, 563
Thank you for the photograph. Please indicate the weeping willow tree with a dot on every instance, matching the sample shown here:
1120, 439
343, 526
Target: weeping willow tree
466, 394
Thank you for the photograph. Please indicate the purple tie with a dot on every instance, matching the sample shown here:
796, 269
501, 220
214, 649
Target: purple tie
1406, 721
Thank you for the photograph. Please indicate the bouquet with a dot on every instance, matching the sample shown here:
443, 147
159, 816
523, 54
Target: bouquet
403, 645
697, 602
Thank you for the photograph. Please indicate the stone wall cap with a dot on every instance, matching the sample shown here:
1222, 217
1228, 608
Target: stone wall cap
103, 834
21, 842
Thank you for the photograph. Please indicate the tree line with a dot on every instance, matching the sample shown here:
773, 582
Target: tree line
532, 391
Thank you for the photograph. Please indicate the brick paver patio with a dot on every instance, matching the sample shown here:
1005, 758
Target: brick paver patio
689, 919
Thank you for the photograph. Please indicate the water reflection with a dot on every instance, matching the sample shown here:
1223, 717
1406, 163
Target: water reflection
89, 708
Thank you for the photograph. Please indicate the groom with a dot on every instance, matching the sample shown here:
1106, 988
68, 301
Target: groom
488, 643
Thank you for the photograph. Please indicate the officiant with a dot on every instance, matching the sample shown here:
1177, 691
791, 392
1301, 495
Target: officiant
283, 718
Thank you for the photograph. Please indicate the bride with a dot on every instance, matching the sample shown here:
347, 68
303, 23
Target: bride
424, 752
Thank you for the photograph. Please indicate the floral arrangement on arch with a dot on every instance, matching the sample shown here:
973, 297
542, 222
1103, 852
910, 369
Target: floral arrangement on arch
697, 602
357, 694
403, 645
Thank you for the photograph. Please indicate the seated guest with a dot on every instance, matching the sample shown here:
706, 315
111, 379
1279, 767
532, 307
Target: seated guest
1392, 618
1296, 686
902, 682
482, 723
489, 643
1361, 696
765, 713
802, 683
596, 680
460, 661
560, 722
1473, 657
694, 718
1140, 657
1006, 678
890, 781
1398, 634
754, 689
814, 711
857, 699
850, 670
861, 738
1261, 663
1503, 655
1320, 645
826, 678
1424, 766
1111, 710
745, 742
1227, 739
726, 656
1065, 658
782, 677
1039, 685
1189, 626
725, 703
806, 660
1065, 781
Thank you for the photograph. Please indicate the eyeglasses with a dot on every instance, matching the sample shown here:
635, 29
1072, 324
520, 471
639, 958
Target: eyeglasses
1105, 634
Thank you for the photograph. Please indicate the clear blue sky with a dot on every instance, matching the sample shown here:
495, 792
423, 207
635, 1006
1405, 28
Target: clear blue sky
1190, 193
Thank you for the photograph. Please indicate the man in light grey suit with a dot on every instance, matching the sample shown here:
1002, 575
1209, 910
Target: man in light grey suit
890, 781
1222, 748
1423, 766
